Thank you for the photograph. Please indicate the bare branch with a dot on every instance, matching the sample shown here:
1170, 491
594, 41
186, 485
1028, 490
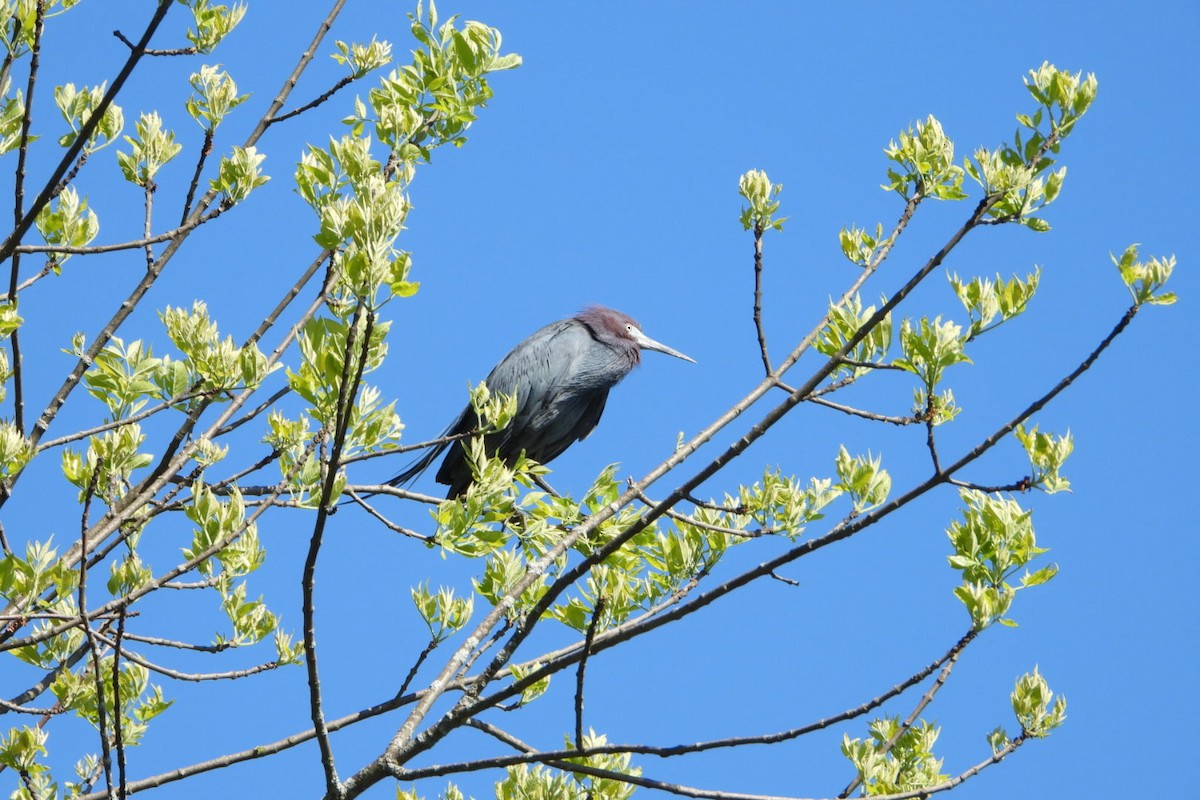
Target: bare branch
85, 250
337, 87
175, 51
37, 712
203, 648
205, 151
391, 526
857, 412
192, 677
758, 275
131, 419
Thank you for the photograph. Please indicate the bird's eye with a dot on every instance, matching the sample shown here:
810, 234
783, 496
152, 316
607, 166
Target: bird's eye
629, 327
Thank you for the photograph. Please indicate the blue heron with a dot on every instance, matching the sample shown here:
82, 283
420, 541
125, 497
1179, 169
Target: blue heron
561, 376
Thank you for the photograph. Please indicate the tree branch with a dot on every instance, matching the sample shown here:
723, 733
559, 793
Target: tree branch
579, 676
353, 364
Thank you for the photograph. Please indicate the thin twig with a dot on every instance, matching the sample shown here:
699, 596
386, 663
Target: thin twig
191, 677
131, 419
1023, 485
851, 362
175, 51
478, 652
37, 712
412, 672
205, 150
858, 412
337, 87
147, 221
406, 448
254, 412
687, 519
930, 416
136, 244
500, 735
391, 526
159, 642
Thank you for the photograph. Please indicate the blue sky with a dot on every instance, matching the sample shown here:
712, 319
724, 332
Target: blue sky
605, 171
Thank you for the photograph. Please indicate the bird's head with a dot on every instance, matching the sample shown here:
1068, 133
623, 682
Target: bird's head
621, 330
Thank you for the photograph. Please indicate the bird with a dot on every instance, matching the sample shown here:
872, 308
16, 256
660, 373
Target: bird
561, 375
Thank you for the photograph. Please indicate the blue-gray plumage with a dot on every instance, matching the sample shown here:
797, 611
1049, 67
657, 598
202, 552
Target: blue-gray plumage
561, 376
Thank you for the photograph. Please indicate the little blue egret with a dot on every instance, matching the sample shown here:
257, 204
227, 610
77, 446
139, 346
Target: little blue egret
561, 376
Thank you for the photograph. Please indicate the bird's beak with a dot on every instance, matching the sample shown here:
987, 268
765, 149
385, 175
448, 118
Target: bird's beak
646, 343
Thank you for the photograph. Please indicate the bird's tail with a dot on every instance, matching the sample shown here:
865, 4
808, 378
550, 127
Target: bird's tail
417, 467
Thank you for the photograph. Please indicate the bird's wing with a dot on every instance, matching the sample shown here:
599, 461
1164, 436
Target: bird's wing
540, 372
516, 374
553, 409
568, 397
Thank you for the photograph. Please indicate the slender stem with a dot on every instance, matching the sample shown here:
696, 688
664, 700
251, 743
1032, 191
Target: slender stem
93, 643
136, 244
147, 223
337, 87
858, 412
120, 423
930, 437
175, 51
191, 677
597, 612
758, 275
205, 150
